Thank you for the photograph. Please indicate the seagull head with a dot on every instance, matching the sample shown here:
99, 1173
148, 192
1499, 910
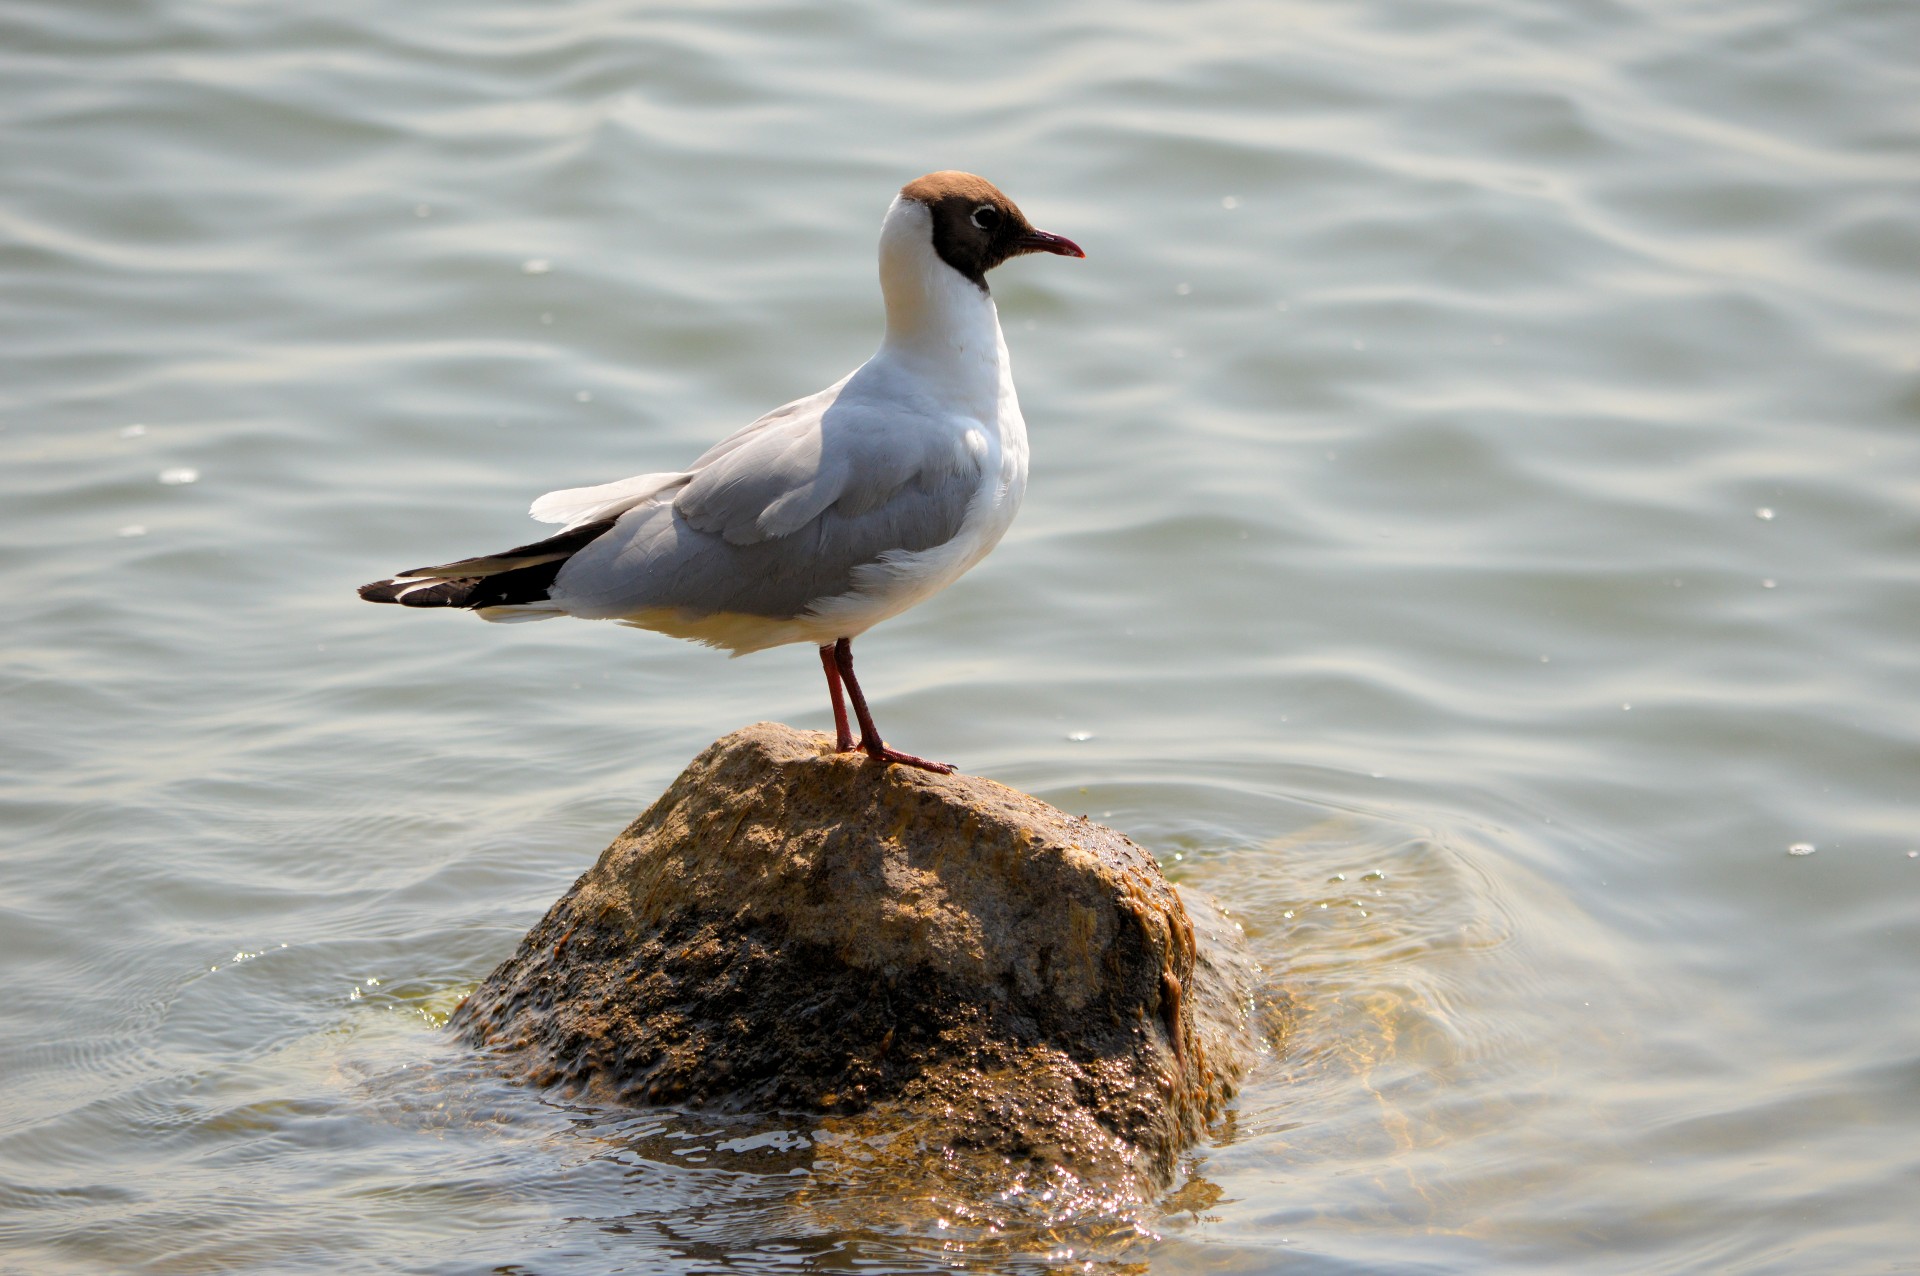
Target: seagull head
975, 227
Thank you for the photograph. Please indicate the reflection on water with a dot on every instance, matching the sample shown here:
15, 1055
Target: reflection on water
1470, 535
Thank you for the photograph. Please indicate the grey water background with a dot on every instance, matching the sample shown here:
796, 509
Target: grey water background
1474, 531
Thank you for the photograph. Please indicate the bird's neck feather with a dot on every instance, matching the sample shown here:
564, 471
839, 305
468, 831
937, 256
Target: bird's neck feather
933, 311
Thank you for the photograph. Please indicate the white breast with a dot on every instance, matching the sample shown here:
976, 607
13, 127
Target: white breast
902, 579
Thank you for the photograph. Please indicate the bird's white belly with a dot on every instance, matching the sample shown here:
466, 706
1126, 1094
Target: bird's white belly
903, 579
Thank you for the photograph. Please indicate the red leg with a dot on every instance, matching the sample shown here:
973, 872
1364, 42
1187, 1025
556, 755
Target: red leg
842, 735
870, 734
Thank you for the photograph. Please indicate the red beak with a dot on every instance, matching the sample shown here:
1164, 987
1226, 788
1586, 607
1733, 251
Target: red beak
1039, 241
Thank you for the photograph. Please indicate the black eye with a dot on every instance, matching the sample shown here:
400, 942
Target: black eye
987, 217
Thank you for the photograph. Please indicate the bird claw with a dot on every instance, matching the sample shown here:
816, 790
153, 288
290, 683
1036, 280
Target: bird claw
837, 660
883, 755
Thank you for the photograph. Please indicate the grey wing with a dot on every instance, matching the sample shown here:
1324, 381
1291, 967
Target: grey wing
779, 516
577, 505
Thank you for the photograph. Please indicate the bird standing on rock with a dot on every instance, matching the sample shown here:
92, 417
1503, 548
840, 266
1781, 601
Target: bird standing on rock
826, 516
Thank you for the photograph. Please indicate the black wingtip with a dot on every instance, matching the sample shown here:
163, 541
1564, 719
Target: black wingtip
520, 575
422, 593
382, 591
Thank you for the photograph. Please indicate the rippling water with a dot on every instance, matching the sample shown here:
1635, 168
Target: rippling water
1473, 532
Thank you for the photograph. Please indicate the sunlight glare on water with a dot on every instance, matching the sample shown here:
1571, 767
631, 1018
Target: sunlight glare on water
1471, 534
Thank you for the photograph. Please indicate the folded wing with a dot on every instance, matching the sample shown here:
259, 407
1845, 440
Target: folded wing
779, 517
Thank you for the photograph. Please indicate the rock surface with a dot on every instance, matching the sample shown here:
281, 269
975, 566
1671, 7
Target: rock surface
788, 928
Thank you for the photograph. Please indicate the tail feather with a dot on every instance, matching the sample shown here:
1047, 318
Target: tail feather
517, 576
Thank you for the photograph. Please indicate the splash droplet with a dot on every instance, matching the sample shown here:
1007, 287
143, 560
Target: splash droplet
179, 476
1799, 849
133, 431
1079, 737
1764, 514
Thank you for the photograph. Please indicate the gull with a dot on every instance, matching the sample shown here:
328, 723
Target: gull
825, 516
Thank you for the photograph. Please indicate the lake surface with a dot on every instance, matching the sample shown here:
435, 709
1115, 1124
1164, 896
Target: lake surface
1474, 531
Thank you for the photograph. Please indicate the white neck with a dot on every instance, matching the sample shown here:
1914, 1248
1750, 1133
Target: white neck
933, 311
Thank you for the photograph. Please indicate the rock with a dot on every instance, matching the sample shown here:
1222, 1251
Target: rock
788, 928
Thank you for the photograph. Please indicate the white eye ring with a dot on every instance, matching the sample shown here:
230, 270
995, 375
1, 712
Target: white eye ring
986, 217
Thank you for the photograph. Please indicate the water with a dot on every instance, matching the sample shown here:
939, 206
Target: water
1479, 452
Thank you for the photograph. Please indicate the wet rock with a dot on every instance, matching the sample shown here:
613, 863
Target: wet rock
942, 958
